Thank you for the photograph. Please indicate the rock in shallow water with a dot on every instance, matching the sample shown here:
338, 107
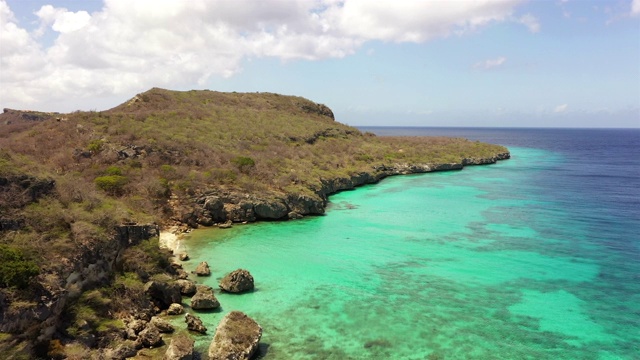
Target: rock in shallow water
203, 269
204, 299
194, 323
237, 337
237, 281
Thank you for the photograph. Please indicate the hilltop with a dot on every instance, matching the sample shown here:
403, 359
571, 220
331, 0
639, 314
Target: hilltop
73, 183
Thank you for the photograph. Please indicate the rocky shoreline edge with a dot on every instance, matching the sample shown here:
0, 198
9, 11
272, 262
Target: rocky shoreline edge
224, 207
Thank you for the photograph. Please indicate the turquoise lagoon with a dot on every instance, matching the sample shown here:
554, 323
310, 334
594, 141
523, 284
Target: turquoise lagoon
490, 262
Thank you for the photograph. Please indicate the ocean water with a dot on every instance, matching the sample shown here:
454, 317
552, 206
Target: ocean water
536, 257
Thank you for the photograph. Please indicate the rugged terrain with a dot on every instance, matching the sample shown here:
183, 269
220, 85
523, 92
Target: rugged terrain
83, 195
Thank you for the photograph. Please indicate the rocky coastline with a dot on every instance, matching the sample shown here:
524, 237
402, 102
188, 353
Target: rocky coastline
218, 207
90, 201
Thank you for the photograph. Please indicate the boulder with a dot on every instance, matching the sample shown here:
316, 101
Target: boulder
226, 225
194, 323
181, 274
180, 348
162, 325
183, 256
203, 269
134, 327
270, 210
123, 350
215, 206
237, 281
175, 309
163, 293
237, 337
187, 287
204, 299
150, 337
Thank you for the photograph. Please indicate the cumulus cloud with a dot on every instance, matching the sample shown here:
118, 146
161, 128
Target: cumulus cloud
560, 108
129, 46
490, 63
61, 20
635, 8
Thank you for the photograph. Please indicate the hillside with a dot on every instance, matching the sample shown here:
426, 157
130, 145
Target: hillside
72, 183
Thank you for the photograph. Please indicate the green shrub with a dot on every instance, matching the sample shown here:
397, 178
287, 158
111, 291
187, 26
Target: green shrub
112, 184
244, 163
95, 146
15, 270
113, 170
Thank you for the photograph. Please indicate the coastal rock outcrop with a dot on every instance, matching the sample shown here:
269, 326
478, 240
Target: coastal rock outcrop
162, 325
175, 309
237, 337
123, 350
204, 299
194, 323
163, 293
203, 269
180, 348
270, 210
150, 337
187, 287
237, 281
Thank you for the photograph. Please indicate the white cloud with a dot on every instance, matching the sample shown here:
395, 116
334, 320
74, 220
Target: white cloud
531, 22
61, 20
130, 46
561, 108
635, 8
490, 63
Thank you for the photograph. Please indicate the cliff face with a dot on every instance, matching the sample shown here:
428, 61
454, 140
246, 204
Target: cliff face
220, 207
35, 319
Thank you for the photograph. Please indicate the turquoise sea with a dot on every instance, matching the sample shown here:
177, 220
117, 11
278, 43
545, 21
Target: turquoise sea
536, 257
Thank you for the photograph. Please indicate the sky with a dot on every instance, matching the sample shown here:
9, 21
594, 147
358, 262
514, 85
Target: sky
502, 63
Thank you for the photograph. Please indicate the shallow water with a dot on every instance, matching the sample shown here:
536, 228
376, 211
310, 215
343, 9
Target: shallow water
530, 258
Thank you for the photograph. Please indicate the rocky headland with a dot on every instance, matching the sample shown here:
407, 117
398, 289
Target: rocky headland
84, 196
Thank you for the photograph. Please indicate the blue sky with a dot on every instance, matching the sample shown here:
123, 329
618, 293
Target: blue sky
550, 63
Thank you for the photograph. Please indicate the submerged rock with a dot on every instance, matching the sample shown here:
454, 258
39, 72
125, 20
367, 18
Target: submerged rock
203, 269
204, 299
237, 281
237, 337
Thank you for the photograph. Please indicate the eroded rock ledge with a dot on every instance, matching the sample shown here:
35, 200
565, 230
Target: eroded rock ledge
219, 206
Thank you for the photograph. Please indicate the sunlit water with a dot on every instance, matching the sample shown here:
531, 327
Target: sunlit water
537, 257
